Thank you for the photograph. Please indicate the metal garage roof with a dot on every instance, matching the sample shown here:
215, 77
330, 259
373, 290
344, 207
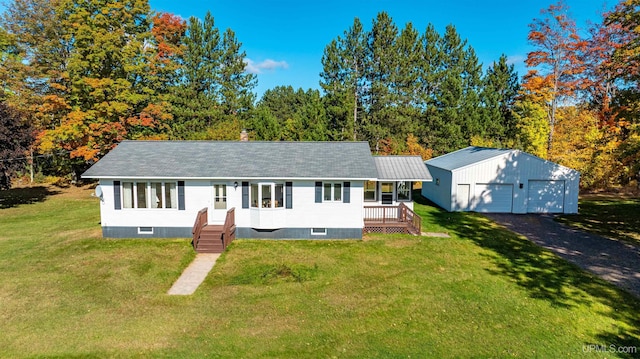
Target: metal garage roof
402, 168
466, 156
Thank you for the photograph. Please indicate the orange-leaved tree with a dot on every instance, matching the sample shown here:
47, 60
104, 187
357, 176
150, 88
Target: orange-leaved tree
109, 86
555, 60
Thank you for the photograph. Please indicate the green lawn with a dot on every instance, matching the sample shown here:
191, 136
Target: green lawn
65, 292
613, 217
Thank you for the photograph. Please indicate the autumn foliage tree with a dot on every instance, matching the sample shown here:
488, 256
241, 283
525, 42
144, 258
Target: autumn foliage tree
601, 82
556, 60
16, 137
92, 73
91, 65
625, 67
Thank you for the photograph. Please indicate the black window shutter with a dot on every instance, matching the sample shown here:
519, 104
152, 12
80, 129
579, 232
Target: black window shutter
116, 195
245, 194
288, 194
318, 192
181, 195
346, 196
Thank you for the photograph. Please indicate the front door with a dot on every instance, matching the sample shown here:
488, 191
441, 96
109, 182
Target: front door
219, 209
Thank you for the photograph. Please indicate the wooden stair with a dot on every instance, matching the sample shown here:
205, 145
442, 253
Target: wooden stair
211, 239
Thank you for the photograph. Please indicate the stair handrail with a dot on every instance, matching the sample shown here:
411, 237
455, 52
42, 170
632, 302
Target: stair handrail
229, 229
201, 222
411, 218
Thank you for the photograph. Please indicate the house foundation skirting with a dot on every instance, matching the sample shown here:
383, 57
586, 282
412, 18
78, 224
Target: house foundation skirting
146, 232
299, 233
241, 232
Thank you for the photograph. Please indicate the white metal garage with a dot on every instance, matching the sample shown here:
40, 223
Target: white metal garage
501, 180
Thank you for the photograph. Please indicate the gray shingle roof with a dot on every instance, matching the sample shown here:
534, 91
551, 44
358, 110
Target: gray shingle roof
233, 159
466, 156
402, 168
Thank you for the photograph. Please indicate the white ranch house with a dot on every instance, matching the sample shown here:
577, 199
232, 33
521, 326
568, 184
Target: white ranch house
501, 180
278, 189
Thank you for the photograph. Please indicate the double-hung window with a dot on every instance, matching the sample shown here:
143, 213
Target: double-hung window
370, 191
386, 192
266, 196
278, 196
255, 198
403, 191
127, 194
170, 195
332, 192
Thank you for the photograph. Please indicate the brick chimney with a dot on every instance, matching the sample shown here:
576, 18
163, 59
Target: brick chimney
244, 137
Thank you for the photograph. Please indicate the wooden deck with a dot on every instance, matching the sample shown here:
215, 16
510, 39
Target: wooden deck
213, 238
391, 219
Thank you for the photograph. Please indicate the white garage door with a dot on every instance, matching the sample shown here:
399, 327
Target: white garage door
545, 197
493, 197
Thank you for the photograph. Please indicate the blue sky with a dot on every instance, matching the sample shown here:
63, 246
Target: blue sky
284, 40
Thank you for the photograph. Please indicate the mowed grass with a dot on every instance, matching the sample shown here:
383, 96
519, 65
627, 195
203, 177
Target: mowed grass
66, 292
613, 217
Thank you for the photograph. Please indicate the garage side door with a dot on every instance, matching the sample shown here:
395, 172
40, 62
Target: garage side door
545, 197
493, 197
462, 197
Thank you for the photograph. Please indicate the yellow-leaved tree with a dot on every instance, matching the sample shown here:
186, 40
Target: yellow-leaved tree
533, 127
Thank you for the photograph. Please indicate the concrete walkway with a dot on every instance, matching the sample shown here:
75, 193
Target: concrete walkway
194, 274
435, 234
615, 261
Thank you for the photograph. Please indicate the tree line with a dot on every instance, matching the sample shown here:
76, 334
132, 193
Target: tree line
78, 77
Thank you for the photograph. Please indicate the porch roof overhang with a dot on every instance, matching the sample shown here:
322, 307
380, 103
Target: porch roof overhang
402, 168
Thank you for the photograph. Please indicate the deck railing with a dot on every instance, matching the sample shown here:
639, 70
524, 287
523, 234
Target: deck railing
382, 214
201, 222
229, 229
393, 215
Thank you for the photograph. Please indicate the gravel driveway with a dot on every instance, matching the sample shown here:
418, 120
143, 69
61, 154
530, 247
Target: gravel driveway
614, 261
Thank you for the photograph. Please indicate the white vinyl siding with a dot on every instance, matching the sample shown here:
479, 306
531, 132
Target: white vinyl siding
304, 212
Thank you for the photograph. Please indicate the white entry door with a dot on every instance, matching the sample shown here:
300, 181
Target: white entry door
218, 211
462, 197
